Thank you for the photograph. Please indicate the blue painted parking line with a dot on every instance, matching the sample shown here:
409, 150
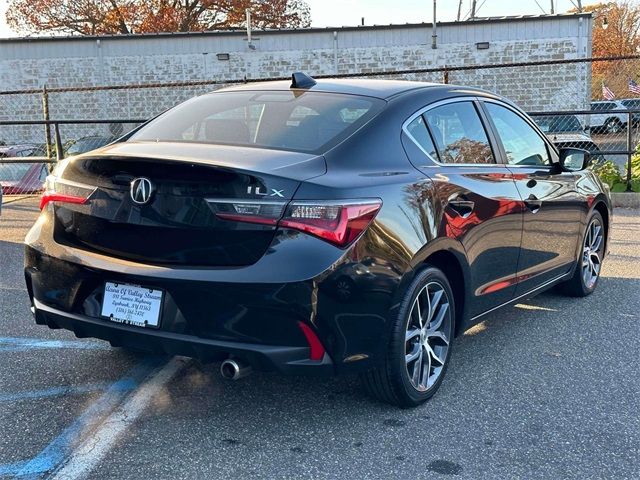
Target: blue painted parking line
55, 454
21, 344
65, 390
12, 468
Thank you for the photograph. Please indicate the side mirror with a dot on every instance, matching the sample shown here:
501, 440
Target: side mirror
574, 159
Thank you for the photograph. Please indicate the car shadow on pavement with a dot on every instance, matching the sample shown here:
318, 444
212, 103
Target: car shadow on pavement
509, 335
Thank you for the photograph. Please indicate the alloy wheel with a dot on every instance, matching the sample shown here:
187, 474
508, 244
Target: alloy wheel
613, 126
427, 336
592, 253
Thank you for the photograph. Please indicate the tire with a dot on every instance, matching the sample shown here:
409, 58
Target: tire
613, 125
396, 380
582, 283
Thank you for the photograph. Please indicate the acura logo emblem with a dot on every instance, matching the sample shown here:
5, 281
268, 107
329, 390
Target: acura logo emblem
141, 190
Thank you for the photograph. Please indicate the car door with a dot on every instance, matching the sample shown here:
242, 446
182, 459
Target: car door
553, 212
480, 202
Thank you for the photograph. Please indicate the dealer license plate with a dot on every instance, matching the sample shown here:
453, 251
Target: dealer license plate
132, 304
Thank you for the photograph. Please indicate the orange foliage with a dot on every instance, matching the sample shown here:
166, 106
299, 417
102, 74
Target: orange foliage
94, 17
621, 37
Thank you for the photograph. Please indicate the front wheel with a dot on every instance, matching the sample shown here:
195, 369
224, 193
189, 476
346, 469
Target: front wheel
587, 271
420, 346
613, 126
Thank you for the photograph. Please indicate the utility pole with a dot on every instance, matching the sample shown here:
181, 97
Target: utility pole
434, 34
579, 6
459, 10
473, 10
552, 9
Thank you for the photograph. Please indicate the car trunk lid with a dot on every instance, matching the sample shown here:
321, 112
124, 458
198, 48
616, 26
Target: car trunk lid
165, 203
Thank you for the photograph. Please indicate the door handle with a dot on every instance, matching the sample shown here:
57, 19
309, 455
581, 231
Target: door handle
533, 203
461, 206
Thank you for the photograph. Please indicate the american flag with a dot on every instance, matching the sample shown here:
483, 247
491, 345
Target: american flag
607, 93
633, 86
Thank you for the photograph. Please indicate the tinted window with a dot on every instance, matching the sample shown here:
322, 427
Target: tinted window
558, 123
418, 130
521, 142
459, 134
600, 107
288, 120
631, 103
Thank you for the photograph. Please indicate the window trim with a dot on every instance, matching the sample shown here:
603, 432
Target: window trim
493, 144
552, 151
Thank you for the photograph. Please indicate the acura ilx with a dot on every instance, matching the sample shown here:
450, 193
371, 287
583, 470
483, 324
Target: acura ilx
316, 227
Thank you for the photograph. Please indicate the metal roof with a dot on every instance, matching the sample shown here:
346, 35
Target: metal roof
366, 87
242, 31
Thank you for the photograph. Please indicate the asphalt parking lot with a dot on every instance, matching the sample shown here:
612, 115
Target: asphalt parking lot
549, 388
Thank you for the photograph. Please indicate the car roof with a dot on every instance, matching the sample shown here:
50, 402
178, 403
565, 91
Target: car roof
383, 89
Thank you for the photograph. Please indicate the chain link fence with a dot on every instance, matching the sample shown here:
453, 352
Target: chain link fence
563, 96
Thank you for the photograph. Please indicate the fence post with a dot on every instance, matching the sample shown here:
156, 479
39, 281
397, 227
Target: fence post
629, 151
47, 127
59, 151
445, 75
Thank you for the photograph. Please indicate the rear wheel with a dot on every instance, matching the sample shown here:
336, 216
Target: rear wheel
587, 272
420, 345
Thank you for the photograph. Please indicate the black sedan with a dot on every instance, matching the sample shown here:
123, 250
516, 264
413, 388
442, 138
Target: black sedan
316, 228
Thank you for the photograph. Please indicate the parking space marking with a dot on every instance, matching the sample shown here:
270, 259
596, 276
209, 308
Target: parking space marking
13, 344
96, 447
60, 449
126, 384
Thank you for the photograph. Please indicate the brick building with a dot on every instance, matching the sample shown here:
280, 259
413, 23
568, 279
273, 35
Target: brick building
31, 63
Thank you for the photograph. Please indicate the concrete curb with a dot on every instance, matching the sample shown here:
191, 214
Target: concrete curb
625, 199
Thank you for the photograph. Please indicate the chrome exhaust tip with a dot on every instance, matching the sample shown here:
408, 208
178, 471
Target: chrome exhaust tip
233, 369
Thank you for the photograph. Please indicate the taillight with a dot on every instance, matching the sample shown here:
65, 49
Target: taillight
262, 212
337, 222
63, 192
48, 197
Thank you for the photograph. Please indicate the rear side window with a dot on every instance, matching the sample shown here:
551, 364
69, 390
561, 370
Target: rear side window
418, 131
459, 134
288, 120
521, 142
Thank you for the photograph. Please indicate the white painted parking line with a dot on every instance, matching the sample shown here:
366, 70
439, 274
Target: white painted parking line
94, 449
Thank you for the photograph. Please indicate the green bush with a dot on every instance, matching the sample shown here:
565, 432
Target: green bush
610, 174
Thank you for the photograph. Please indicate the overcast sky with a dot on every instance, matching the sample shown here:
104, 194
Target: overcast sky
336, 13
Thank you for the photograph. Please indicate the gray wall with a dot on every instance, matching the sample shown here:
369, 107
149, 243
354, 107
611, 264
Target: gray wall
132, 60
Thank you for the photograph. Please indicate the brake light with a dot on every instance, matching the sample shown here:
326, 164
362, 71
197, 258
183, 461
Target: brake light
61, 191
48, 197
337, 222
261, 212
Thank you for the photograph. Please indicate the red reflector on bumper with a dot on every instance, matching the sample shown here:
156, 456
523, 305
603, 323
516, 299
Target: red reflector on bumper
316, 349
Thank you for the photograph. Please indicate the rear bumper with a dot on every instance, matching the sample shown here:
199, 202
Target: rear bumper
285, 359
253, 312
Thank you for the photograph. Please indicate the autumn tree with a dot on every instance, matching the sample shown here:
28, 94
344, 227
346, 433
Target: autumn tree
94, 17
616, 32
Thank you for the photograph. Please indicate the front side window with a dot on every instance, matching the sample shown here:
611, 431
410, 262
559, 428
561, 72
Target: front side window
521, 142
287, 120
459, 134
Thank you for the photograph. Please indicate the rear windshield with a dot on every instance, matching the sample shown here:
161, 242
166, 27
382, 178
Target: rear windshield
286, 120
